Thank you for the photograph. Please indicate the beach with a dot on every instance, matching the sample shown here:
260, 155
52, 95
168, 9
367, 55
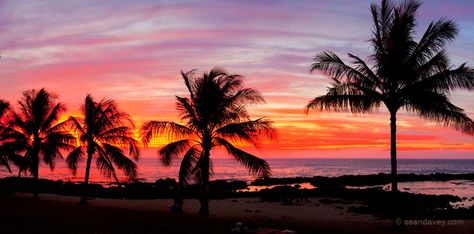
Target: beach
63, 214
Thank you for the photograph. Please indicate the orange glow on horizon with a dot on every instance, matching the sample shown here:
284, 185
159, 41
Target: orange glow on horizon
333, 132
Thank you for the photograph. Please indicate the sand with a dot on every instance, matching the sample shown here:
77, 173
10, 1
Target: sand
304, 217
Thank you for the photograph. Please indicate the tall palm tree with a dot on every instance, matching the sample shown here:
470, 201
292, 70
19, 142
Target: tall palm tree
36, 129
214, 115
104, 133
406, 74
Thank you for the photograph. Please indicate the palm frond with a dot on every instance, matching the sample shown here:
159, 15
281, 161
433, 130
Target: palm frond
4, 162
188, 162
245, 96
438, 63
256, 165
367, 76
331, 65
154, 129
8, 153
121, 161
74, 157
382, 17
104, 163
5, 156
75, 124
53, 116
231, 83
433, 40
446, 80
437, 107
121, 136
347, 97
249, 132
60, 141
186, 77
173, 150
57, 127
106, 167
113, 120
186, 110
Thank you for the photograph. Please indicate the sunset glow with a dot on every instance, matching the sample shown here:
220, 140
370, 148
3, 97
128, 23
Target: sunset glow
134, 52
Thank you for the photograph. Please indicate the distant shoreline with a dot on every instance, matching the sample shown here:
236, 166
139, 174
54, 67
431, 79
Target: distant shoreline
163, 188
151, 169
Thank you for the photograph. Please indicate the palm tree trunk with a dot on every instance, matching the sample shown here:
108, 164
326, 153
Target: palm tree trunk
393, 149
85, 191
204, 199
393, 160
117, 180
35, 177
35, 169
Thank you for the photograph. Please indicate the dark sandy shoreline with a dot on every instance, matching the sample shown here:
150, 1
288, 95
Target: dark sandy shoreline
63, 214
330, 191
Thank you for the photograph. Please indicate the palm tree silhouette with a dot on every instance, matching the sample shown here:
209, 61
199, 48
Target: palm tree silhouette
7, 155
103, 132
410, 75
36, 131
214, 115
11, 148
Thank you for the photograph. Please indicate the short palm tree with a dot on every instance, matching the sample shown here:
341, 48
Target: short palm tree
36, 130
103, 133
7, 155
214, 115
409, 75
11, 148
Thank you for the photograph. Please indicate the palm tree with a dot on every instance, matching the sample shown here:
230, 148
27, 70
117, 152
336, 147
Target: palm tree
5, 148
409, 75
103, 132
10, 148
35, 129
214, 115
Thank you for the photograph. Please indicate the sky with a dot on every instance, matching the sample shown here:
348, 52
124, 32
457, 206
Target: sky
133, 52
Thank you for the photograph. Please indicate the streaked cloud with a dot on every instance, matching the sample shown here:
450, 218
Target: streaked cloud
132, 51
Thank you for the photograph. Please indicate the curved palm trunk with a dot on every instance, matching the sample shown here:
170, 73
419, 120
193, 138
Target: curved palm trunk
204, 199
85, 191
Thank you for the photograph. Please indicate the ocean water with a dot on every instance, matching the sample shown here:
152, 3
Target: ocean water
150, 168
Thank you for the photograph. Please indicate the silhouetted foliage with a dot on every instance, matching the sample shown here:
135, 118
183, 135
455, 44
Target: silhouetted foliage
35, 132
405, 74
103, 132
214, 115
8, 147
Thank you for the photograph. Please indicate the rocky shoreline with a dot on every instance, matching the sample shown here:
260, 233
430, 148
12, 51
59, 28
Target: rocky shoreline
286, 191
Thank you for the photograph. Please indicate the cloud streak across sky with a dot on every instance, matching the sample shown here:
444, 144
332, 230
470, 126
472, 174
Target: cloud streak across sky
132, 51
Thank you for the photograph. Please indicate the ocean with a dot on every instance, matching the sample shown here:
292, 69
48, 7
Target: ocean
150, 168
